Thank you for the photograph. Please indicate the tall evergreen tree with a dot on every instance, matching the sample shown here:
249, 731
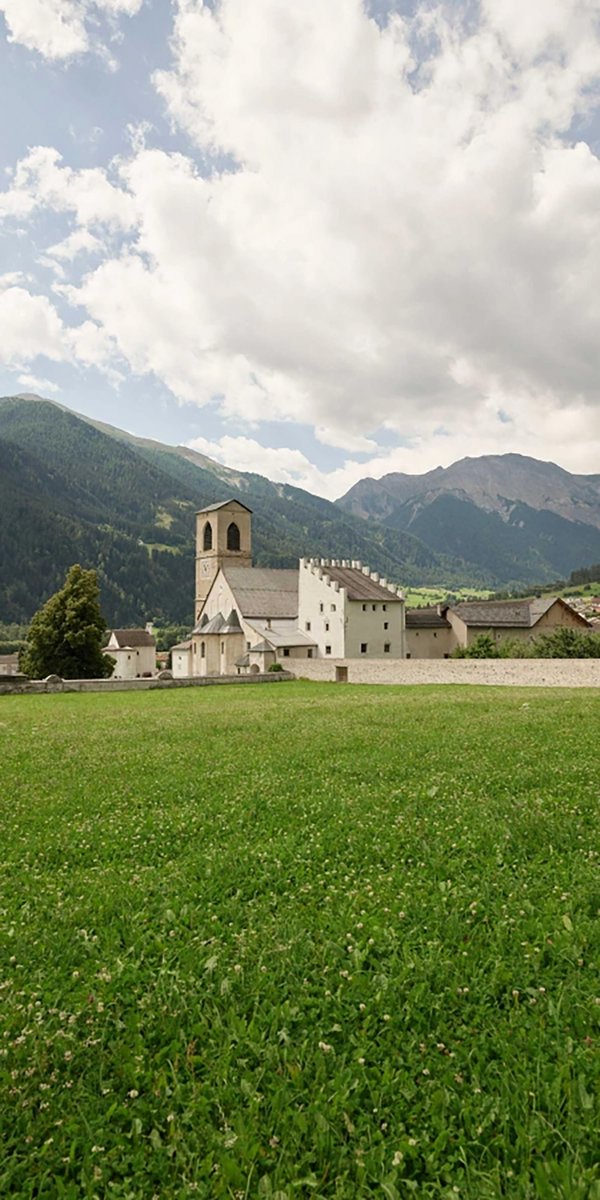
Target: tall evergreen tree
65, 637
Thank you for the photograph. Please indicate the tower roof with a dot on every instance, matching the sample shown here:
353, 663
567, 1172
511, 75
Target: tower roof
222, 504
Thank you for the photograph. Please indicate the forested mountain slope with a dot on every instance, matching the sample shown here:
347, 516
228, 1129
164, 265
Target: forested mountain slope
74, 491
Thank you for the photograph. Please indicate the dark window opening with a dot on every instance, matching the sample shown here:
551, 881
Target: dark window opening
328, 649
233, 537
363, 647
207, 541
202, 649
387, 647
386, 624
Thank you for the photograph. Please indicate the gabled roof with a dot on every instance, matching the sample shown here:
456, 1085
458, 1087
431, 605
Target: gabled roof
263, 591
517, 614
360, 586
223, 504
128, 639
181, 646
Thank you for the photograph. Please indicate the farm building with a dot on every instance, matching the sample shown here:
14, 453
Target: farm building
134, 651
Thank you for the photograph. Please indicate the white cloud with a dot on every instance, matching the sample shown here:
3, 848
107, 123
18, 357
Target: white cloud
30, 326
40, 181
406, 235
283, 465
60, 29
37, 386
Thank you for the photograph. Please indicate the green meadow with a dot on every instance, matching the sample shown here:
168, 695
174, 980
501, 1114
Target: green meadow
305, 942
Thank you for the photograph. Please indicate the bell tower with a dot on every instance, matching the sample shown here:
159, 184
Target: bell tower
223, 538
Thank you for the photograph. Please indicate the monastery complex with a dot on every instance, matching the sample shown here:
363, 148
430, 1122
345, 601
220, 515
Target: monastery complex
248, 619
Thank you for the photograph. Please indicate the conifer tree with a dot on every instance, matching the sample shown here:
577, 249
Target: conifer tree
66, 635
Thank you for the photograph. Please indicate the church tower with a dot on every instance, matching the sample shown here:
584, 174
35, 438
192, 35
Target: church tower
223, 539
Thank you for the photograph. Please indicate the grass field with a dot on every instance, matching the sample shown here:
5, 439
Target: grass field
302, 941
420, 597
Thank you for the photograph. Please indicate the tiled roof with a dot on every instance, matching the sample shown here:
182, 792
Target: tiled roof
181, 646
264, 591
128, 638
425, 618
360, 586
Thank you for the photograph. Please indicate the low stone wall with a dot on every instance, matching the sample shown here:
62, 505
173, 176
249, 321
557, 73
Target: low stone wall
19, 685
512, 672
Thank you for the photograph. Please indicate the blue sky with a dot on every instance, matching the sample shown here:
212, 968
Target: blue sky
317, 241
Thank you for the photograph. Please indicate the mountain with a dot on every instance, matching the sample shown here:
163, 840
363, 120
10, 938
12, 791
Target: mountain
74, 490
519, 520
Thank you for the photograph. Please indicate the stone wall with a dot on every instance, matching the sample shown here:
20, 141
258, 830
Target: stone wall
516, 672
21, 686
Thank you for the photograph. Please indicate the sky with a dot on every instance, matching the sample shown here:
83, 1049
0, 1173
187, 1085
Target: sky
317, 240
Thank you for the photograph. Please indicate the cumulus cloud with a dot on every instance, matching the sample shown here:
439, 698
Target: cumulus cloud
383, 226
39, 387
60, 29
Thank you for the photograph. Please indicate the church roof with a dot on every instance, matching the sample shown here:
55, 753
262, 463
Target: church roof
264, 591
215, 625
282, 633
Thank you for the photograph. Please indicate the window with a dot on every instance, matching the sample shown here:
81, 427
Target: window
333, 609
435, 634
286, 652
202, 649
233, 537
327, 627
386, 624
309, 652
195, 647
374, 607
222, 647
364, 608
247, 645
328, 649
408, 655
207, 540
387, 647
384, 607
321, 608
307, 626
363, 647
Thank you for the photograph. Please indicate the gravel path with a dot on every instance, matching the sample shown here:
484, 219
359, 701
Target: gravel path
517, 672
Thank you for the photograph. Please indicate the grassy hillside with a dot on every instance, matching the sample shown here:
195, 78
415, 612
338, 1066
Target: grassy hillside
232, 968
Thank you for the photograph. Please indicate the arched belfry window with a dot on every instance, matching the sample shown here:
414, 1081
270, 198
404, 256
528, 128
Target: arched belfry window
207, 543
233, 537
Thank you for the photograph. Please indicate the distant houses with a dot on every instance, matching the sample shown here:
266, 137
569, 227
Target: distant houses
9, 664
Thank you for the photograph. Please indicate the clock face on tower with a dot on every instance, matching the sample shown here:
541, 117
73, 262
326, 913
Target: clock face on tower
205, 567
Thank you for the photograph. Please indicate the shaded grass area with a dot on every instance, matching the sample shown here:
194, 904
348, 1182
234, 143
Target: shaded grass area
304, 941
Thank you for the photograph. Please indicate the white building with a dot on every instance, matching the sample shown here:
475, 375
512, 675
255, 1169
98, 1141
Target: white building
250, 618
349, 610
134, 651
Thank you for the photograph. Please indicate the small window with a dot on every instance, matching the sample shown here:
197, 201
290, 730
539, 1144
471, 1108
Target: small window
309, 652
128, 656
384, 607
307, 626
194, 647
364, 608
202, 649
327, 627
222, 647
333, 608
363, 647
387, 647
321, 608
247, 645
286, 652
386, 624
328, 649
435, 634
207, 539
374, 607
408, 655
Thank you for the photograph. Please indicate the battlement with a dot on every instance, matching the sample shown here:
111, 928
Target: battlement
338, 574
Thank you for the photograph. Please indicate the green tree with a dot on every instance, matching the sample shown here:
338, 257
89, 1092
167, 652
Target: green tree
65, 637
